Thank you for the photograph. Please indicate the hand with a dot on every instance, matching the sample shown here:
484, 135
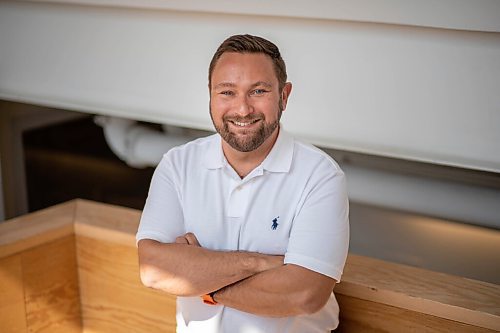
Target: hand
266, 261
188, 239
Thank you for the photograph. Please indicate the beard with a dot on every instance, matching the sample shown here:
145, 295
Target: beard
247, 140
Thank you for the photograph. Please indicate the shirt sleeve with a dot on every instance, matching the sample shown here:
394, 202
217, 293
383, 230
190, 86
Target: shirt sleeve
319, 238
162, 218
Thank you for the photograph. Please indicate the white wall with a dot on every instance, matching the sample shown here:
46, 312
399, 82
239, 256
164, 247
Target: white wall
407, 91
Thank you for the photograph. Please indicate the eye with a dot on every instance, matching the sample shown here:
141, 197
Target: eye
259, 91
227, 93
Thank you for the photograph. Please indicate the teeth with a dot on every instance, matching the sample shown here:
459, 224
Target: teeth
243, 124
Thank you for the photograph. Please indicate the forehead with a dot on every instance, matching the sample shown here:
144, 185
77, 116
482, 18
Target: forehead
242, 67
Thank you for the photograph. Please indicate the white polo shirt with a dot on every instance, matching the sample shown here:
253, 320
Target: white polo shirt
293, 204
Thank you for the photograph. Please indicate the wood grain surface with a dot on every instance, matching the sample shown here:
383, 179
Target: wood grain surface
12, 309
360, 316
51, 287
36, 228
112, 295
106, 222
455, 298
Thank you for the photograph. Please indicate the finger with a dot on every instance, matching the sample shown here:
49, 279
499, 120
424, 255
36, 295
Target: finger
191, 239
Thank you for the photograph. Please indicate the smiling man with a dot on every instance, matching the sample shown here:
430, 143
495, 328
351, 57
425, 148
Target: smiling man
248, 227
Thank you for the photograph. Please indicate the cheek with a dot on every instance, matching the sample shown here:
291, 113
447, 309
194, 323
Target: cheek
215, 107
269, 106
219, 103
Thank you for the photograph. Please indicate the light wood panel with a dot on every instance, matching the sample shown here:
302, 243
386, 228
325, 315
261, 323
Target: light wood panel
360, 316
51, 287
12, 310
451, 297
112, 296
37, 228
106, 222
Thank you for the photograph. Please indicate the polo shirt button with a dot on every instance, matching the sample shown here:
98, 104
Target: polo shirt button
238, 188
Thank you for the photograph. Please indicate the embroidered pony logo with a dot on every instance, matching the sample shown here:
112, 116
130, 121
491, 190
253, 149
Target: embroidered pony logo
275, 223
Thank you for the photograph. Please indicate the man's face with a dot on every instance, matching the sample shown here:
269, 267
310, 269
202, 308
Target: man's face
245, 101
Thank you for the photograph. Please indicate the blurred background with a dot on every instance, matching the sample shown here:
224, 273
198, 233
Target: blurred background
404, 95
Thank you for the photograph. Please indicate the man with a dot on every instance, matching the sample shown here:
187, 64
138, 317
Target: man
248, 227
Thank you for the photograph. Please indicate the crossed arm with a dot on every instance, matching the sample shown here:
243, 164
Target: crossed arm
252, 282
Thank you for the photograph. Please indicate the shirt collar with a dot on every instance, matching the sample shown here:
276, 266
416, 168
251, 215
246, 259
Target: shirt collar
214, 157
279, 158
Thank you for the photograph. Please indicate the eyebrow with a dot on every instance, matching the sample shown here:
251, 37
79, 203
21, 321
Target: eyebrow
232, 85
224, 85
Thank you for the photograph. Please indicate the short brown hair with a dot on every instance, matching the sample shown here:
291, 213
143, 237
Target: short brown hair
251, 44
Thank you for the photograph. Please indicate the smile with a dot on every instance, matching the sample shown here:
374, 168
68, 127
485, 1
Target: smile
243, 124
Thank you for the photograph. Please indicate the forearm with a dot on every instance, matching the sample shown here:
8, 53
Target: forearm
186, 270
289, 290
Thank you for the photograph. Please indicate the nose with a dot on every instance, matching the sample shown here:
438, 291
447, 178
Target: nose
243, 106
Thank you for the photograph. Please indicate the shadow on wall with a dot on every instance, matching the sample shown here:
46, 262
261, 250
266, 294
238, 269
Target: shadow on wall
72, 160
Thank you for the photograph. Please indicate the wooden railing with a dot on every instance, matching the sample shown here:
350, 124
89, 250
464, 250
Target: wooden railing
73, 268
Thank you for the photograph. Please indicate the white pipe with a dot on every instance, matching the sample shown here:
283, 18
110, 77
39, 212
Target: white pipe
439, 198
139, 146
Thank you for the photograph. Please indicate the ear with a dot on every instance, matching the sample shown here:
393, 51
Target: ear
285, 93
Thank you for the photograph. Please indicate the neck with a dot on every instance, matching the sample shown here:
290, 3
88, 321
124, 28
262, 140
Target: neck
244, 162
